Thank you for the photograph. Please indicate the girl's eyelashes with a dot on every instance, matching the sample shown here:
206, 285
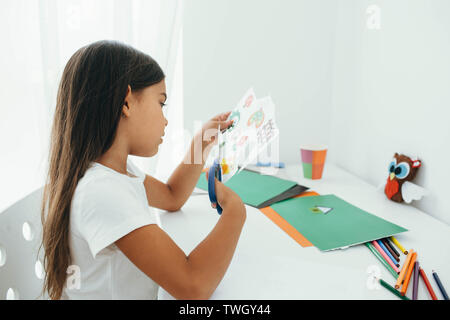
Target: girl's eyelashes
163, 104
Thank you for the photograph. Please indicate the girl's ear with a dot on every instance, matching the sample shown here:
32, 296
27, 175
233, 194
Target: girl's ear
125, 110
126, 107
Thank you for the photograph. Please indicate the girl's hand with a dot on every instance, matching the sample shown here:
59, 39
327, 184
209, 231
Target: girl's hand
209, 129
225, 196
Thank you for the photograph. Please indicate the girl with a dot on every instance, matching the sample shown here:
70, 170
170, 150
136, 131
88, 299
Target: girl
100, 239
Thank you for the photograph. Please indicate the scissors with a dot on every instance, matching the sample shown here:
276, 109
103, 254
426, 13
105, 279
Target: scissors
215, 171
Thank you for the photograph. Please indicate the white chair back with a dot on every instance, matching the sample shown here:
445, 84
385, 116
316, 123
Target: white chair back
21, 270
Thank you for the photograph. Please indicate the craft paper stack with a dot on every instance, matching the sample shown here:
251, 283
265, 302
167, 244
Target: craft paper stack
258, 190
324, 221
330, 222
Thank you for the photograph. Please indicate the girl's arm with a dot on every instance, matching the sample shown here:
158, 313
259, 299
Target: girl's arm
197, 275
172, 195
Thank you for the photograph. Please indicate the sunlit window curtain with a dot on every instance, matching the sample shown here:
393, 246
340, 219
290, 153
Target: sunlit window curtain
38, 37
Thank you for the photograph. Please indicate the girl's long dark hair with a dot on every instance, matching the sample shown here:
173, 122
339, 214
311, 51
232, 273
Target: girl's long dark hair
89, 104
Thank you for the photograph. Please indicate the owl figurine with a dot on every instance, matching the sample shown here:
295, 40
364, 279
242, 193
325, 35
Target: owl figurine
402, 171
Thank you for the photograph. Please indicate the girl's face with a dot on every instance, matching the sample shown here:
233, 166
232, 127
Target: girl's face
145, 121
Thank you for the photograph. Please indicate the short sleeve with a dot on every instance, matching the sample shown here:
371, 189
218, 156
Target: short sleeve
110, 208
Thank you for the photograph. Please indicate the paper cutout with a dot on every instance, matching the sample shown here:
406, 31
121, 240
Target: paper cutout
253, 129
317, 209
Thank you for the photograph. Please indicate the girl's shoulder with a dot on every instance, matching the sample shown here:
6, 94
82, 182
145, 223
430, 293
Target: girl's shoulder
98, 182
96, 175
103, 187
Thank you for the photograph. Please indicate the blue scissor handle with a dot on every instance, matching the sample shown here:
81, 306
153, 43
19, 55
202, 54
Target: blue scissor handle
214, 172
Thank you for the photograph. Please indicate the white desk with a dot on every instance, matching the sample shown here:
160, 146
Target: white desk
268, 264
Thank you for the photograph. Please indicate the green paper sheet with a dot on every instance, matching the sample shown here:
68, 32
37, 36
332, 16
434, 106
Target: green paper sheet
329, 222
252, 187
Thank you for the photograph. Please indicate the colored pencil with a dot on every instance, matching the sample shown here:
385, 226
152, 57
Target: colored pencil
408, 274
387, 286
393, 254
415, 280
381, 244
384, 255
379, 257
403, 271
395, 241
427, 284
439, 283
389, 243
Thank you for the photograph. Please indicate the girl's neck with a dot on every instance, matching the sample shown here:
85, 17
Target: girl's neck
116, 162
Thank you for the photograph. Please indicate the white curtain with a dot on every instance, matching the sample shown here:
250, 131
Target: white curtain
38, 37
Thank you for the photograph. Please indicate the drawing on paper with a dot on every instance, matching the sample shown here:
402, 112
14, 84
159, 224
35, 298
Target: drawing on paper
254, 128
256, 118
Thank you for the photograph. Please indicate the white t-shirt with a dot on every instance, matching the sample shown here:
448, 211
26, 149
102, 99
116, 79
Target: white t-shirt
106, 206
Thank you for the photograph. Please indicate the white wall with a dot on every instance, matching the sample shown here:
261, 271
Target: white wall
282, 48
366, 93
391, 93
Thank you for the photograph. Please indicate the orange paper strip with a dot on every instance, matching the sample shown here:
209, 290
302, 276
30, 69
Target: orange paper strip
285, 226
